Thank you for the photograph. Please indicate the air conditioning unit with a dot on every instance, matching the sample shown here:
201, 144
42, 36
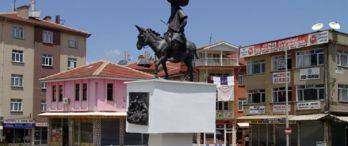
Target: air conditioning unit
66, 100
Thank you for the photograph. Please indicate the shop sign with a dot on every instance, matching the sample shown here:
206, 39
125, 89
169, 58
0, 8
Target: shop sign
286, 44
280, 108
18, 121
310, 74
222, 114
308, 105
19, 125
279, 78
41, 124
257, 110
288, 131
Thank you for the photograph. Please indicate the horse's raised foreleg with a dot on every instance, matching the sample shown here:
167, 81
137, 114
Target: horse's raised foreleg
189, 65
164, 65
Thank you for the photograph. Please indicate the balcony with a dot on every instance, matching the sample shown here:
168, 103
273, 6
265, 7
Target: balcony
216, 62
224, 114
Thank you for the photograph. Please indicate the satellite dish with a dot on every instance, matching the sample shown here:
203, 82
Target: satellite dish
317, 26
335, 25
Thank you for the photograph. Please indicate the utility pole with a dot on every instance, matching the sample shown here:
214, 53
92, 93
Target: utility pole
287, 97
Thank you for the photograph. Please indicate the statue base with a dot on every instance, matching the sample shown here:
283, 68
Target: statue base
170, 140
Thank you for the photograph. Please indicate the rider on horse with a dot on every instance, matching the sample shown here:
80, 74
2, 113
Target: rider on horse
175, 36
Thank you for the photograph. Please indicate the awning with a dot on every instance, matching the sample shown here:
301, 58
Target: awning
261, 117
311, 117
87, 114
343, 119
243, 125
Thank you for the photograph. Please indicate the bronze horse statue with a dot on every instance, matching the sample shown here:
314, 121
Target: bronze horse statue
164, 52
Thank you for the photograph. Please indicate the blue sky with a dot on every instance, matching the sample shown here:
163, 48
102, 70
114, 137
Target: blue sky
240, 22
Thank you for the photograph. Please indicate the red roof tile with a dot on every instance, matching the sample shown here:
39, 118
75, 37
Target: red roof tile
173, 68
100, 69
41, 23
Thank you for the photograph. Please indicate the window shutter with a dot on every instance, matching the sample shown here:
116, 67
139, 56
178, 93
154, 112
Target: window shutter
38, 34
56, 37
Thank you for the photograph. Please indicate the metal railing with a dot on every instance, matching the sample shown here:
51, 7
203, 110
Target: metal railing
216, 62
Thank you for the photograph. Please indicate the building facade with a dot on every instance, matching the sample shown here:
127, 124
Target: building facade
87, 106
219, 64
317, 89
32, 48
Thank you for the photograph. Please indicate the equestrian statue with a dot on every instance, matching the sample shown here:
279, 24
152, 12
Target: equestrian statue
173, 46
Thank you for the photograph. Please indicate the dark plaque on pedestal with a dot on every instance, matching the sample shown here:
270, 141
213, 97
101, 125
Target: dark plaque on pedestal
138, 109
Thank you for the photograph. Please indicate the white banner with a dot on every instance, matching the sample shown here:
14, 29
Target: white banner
280, 108
308, 105
257, 110
279, 78
310, 74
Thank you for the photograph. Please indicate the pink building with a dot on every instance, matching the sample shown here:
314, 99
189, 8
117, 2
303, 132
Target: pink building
87, 105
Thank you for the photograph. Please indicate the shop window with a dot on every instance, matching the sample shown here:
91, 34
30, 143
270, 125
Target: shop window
110, 92
343, 93
84, 91
310, 58
278, 63
279, 94
256, 67
256, 96
310, 92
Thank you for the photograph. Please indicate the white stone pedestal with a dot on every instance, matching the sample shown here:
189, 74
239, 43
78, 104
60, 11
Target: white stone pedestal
176, 110
170, 140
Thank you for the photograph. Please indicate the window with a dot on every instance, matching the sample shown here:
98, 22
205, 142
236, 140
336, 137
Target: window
47, 60
342, 59
279, 94
310, 92
256, 96
77, 92
43, 106
241, 81
47, 37
222, 105
278, 63
256, 67
17, 56
110, 91
310, 58
54, 93
72, 63
72, 42
43, 85
18, 32
16, 105
16, 80
84, 92
241, 103
60, 93
343, 93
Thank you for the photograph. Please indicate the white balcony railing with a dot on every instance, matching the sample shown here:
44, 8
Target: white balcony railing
216, 62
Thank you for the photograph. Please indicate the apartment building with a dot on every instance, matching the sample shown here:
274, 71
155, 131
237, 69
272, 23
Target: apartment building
32, 48
318, 93
219, 64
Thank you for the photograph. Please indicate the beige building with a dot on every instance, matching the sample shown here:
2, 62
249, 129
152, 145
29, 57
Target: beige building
318, 89
30, 49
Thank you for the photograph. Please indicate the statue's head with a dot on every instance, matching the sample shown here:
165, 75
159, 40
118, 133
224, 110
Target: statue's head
142, 38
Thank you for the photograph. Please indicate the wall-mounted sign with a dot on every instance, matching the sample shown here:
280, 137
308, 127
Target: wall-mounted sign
310, 74
280, 108
308, 105
286, 44
257, 110
279, 77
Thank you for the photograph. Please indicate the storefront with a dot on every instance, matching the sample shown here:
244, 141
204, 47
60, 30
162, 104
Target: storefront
17, 130
40, 133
